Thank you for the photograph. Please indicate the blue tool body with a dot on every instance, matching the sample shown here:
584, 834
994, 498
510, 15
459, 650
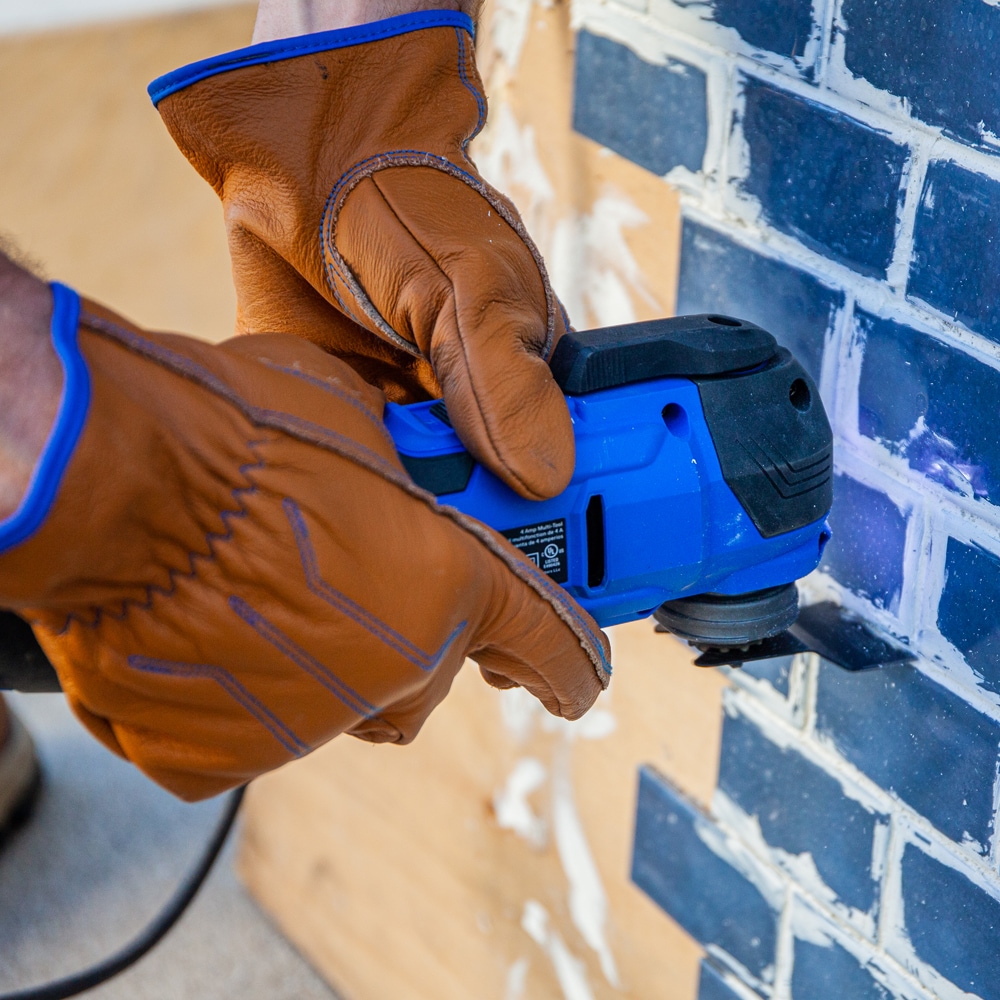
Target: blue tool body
648, 516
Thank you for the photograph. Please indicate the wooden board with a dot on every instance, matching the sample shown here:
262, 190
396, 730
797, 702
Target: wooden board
491, 856
401, 872
609, 230
490, 860
94, 188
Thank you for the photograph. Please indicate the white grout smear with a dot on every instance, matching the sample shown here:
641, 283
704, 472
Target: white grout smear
914, 178
589, 261
724, 960
591, 265
521, 712
588, 902
880, 848
565, 257
810, 927
609, 299
807, 924
570, 971
513, 811
507, 156
597, 724
517, 979
725, 844
801, 868
895, 935
509, 29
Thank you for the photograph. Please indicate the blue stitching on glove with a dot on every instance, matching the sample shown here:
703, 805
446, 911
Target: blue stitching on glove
383, 632
232, 687
288, 647
289, 48
338, 443
342, 394
152, 590
560, 594
185, 365
346, 177
480, 103
66, 430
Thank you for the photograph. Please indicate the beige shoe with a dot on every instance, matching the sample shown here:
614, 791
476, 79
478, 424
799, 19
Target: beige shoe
20, 777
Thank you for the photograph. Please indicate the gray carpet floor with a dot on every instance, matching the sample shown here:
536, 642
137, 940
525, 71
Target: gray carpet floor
102, 853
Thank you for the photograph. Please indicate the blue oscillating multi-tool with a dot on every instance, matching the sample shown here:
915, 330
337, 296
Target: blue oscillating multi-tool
704, 475
703, 480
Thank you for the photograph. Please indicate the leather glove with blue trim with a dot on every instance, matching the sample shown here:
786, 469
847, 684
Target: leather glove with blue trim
356, 219
227, 565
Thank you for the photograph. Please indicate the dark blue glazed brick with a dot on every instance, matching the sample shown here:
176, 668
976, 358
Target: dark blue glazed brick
776, 671
953, 925
940, 56
709, 898
822, 973
718, 275
868, 543
925, 400
822, 177
712, 985
917, 739
956, 248
969, 611
655, 116
801, 809
781, 26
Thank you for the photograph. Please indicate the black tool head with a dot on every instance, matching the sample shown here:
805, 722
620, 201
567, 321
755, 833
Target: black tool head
730, 621
836, 634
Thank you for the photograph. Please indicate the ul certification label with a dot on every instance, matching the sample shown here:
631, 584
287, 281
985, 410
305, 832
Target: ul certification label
545, 545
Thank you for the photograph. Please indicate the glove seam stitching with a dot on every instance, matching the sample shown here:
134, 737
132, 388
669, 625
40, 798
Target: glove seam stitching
511, 472
290, 741
175, 575
363, 169
185, 77
338, 393
338, 444
480, 100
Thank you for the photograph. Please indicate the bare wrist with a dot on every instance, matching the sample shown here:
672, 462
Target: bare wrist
288, 18
30, 379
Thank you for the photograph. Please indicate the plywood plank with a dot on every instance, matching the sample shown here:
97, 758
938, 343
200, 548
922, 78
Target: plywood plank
391, 868
95, 190
490, 859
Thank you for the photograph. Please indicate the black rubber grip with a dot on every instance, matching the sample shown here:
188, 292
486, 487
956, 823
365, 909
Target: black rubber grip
685, 346
440, 474
773, 441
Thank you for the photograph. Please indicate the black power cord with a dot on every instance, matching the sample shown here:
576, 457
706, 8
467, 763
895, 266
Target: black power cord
72, 985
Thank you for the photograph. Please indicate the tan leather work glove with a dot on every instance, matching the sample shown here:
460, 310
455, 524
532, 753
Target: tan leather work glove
357, 219
227, 565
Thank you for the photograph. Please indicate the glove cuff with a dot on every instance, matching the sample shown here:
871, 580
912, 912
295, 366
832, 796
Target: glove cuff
65, 433
302, 45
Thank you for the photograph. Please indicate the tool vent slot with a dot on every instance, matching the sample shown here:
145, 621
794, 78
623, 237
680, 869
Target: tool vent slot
595, 542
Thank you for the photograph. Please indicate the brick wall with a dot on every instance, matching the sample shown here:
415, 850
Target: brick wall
839, 163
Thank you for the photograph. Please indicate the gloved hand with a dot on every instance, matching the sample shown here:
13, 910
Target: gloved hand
357, 219
227, 565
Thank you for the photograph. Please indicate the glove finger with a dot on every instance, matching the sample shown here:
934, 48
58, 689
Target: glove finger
497, 680
449, 273
538, 638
